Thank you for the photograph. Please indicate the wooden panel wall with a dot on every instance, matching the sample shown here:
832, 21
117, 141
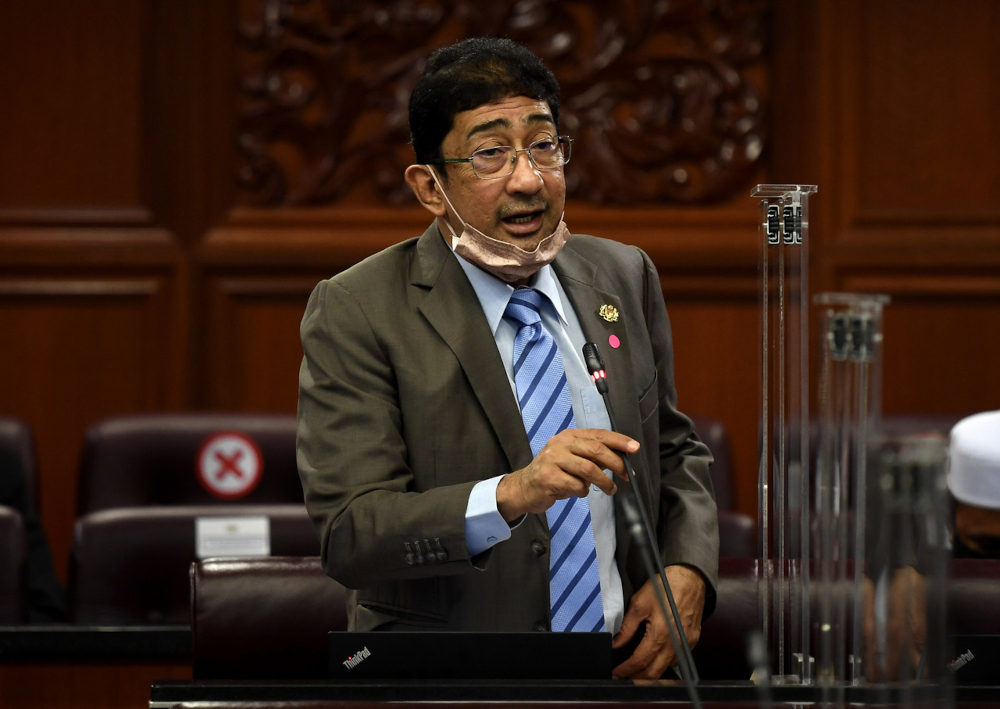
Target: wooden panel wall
148, 262
897, 119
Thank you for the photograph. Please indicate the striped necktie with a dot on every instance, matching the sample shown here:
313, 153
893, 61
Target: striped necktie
546, 407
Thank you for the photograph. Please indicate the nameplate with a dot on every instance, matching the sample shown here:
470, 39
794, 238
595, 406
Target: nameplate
232, 536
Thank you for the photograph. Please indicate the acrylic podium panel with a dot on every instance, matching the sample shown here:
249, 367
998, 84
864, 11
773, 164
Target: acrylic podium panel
853, 539
850, 406
784, 417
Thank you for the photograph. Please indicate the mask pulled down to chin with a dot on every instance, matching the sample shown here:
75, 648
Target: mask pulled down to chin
508, 262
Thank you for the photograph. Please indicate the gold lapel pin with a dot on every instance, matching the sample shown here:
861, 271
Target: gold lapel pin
609, 313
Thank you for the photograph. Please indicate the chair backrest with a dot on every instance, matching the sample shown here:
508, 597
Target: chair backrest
189, 459
13, 568
17, 437
721, 653
130, 566
737, 535
972, 596
715, 436
263, 618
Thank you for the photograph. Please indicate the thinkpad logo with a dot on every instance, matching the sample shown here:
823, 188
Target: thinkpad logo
357, 658
962, 660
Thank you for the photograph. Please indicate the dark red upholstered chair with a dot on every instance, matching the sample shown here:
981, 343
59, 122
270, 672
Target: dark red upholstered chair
144, 480
974, 596
263, 618
16, 439
16, 436
268, 619
721, 651
152, 459
737, 535
715, 436
130, 564
918, 424
13, 568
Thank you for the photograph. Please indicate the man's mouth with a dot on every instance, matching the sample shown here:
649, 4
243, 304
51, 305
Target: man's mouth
524, 222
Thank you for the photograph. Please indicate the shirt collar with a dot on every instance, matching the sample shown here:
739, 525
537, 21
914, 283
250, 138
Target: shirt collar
494, 294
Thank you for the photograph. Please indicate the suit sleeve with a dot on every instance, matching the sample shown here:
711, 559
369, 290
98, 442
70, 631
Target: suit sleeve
688, 524
375, 522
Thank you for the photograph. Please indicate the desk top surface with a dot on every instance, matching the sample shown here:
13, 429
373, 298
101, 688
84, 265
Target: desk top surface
595, 693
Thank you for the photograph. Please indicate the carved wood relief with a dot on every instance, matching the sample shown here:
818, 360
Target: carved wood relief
666, 98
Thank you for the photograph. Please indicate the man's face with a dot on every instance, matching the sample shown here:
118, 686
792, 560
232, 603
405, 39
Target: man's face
522, 208
978, 528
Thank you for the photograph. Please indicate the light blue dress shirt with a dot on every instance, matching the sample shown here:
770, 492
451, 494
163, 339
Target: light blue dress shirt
484, 525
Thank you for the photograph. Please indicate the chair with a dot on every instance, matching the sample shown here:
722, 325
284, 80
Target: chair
263, 618
16, 436
737, 535
146, 479
972, 596
153, 459
13, 568
721, 653
715, 436
268, 619
18, 441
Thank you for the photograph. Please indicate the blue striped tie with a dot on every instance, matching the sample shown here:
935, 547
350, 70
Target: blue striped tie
546, 407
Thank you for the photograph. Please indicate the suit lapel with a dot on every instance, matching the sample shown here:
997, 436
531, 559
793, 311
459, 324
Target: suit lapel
579, 278
466, 332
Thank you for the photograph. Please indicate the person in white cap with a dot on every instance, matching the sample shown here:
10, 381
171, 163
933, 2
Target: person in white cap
974, 483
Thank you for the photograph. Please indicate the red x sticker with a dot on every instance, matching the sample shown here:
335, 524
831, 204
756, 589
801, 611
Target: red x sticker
229, 464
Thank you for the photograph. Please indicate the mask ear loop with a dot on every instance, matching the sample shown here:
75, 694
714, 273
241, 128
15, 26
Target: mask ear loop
454, 236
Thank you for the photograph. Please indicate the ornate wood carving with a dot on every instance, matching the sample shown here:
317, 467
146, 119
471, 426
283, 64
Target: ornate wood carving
666, 99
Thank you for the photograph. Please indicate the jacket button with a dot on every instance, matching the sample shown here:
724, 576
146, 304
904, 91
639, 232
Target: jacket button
538, 546
541, 626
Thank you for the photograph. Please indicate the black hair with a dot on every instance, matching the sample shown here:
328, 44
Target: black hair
468, 74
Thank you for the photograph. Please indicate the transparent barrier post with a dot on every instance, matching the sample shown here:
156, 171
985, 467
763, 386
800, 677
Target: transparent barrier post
783, 485
850, 409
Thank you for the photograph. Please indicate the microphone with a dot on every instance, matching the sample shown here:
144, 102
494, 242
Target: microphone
595, 365
644, 535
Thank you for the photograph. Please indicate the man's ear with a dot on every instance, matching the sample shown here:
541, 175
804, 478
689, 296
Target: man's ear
419, 178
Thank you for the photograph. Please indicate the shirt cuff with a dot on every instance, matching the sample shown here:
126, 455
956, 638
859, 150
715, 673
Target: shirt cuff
484, 525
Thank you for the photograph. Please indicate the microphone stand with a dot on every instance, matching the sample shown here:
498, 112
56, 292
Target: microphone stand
640, 523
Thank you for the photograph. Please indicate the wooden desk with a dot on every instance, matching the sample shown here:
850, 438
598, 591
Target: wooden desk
54, 667
533, 695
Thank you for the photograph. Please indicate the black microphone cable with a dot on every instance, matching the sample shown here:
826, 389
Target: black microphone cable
639, 522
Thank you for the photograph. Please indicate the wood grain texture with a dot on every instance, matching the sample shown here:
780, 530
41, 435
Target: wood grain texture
667, 101
85, 348
148, 262
83, 685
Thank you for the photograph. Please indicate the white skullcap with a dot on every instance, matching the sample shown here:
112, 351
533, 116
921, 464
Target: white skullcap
974, 460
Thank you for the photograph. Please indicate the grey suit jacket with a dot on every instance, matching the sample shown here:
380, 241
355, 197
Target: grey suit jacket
404, 406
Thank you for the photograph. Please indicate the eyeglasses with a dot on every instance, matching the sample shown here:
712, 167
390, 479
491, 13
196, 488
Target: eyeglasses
498, 161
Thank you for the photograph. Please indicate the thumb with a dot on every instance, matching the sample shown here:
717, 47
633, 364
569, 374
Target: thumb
630, 624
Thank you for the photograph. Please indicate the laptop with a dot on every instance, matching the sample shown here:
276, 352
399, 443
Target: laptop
448, 655
976, 660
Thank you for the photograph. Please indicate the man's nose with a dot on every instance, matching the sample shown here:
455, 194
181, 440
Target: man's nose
526, 177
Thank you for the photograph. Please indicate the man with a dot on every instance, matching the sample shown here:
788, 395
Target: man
430, 498
974, 484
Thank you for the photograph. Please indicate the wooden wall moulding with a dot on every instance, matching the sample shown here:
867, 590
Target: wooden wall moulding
77, 216
667, 101
911, 114
252, 341
77, 348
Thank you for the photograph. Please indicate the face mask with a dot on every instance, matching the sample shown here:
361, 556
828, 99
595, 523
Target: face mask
505, 261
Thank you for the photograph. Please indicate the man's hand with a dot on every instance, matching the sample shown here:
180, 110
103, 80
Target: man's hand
570, 462
655, 652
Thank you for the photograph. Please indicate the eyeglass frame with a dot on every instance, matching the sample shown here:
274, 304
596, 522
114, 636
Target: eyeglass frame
560, 139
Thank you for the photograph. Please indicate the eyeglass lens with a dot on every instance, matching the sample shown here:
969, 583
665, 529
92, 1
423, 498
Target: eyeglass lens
545, 154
